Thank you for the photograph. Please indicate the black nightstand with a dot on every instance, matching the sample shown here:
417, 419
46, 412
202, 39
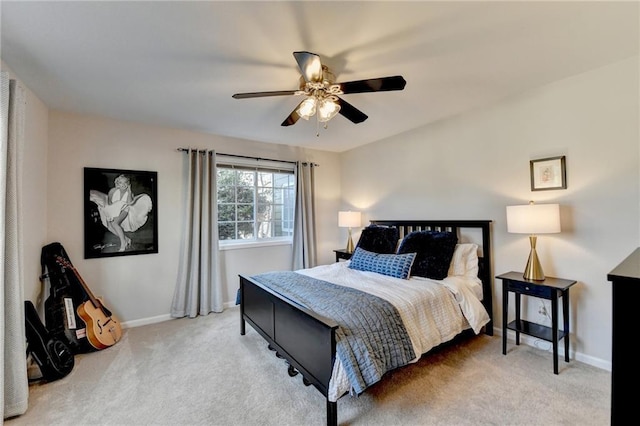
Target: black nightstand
343, 254
551, 289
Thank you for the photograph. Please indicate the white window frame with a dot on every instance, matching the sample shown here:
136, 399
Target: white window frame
257, 165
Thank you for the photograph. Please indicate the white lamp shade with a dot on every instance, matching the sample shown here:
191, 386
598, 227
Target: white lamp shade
533, 219
349, 219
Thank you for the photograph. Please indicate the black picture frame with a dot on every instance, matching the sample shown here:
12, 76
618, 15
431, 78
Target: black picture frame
548, 173
137, 217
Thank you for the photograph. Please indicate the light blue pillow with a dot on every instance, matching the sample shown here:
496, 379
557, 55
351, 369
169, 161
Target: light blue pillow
393, 265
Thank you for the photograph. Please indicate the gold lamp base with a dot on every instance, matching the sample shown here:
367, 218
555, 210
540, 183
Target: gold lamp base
350, 243
533, 271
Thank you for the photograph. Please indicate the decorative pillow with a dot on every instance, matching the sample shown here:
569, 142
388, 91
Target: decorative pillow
465, 261
379, 239
434, 251
393, 265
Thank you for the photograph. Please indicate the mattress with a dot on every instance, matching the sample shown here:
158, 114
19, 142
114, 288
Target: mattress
433, 311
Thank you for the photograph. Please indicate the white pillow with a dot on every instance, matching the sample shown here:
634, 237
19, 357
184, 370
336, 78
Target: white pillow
464, 261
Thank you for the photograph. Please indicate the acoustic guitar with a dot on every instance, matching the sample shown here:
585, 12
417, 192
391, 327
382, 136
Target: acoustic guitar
103, 328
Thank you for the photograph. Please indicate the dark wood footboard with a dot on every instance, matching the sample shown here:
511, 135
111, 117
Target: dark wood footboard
305, 339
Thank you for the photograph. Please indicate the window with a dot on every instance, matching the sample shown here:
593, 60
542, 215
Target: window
255, 203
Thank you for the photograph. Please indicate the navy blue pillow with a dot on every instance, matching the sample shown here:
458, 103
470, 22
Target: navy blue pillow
393, 265
434, 252
379, 239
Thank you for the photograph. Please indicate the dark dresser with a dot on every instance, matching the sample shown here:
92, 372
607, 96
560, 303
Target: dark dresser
625, 280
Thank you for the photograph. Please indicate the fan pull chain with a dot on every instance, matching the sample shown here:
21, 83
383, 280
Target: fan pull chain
324, 126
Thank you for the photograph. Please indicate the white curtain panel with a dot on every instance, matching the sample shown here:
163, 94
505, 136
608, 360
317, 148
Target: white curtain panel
304, 229
199, 285
15, 389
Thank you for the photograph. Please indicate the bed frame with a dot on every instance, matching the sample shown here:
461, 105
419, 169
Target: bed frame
307, 340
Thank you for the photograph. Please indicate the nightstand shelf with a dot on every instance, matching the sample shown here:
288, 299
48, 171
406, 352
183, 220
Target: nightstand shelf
536, 330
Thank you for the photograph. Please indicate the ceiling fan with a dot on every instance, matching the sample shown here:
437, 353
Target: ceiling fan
321, 92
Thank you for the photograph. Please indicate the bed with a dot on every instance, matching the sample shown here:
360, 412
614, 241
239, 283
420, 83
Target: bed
312, 318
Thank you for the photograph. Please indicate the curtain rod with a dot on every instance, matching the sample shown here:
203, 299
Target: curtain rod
246, 156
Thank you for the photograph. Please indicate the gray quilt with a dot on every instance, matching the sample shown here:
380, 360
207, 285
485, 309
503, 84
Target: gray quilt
371, 338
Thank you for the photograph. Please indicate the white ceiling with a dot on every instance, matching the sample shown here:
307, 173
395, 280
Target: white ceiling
178, 63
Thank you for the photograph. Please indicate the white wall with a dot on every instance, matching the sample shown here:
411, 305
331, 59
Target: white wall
139, 288
473, 165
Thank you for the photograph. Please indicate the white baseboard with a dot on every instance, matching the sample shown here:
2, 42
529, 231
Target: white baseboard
146, 321
160, 318
546, 346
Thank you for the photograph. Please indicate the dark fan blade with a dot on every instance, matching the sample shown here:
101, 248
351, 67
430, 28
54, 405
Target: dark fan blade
264, 94
310, 66
383, 84
292, 118
350, 112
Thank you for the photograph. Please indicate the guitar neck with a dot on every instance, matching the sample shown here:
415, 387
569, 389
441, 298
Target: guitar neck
85, 286
67, 264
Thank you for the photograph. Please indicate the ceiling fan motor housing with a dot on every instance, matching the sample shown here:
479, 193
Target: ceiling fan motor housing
326, 84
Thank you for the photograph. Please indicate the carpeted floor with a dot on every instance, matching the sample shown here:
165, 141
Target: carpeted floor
202, 372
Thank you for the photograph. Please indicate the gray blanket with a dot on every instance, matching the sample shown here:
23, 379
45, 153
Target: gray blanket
371, 338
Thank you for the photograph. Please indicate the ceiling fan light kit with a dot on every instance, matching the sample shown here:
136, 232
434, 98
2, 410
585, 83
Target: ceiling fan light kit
325, 106
317, 84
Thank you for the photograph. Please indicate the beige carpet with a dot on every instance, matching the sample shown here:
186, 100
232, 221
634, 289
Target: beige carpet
202, 372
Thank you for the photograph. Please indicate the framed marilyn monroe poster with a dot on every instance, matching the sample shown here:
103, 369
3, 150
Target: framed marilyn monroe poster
120, 212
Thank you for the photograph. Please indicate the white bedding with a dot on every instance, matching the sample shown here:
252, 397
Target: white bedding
433, 311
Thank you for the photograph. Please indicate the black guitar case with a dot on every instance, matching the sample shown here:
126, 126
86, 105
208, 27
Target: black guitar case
66, 293
52, 355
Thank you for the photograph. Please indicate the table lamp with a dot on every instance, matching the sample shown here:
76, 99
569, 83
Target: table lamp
349, 220
533, 219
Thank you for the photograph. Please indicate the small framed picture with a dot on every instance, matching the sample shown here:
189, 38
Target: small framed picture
548, 173
120, 212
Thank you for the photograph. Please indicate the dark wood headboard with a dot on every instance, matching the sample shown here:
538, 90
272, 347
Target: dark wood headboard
485, 261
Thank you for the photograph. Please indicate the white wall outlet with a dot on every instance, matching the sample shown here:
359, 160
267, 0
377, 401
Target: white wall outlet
542, 310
